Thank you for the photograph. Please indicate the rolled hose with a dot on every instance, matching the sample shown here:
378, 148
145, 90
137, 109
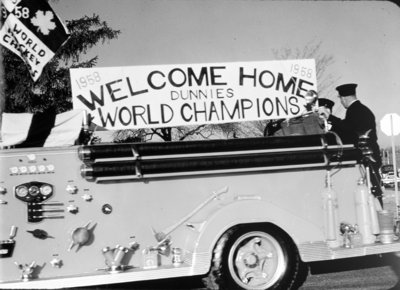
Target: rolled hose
93, 152
210, 163
238, 155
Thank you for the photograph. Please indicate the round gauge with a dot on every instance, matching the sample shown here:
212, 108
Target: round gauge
50, 167
32, 168
23, 169
46, 189
34, 190
42, 168
21, 191
14, 170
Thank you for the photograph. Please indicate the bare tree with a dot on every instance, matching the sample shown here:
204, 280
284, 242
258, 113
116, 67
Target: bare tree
164, 134
312, 50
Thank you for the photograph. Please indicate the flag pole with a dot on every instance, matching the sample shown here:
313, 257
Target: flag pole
2, 90
396, 191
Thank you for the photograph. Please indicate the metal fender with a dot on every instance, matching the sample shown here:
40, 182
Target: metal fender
253, 211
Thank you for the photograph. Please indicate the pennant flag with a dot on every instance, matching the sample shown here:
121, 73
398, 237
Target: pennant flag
41, 130
31, 30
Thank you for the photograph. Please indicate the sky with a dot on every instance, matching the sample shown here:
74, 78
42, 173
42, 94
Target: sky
363, 37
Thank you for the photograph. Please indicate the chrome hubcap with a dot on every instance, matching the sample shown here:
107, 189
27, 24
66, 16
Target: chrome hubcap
256, 261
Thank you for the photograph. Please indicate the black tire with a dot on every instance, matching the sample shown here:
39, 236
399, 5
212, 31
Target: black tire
254, 257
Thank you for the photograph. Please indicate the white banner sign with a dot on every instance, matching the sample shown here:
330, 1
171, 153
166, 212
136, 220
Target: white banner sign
190, 94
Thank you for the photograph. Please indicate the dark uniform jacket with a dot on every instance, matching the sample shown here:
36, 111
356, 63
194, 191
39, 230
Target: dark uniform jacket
358, 120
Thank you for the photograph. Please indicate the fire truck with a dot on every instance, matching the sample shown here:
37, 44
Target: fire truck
246, 213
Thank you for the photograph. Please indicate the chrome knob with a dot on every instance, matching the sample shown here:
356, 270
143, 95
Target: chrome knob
72, 189
72, 208
3, 190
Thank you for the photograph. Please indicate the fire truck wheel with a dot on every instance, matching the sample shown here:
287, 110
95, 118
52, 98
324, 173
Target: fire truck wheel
256, 257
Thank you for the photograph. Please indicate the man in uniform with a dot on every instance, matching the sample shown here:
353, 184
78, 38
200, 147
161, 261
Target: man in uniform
359, 120
326, 104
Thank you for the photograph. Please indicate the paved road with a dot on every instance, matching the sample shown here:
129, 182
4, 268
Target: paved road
367, 273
